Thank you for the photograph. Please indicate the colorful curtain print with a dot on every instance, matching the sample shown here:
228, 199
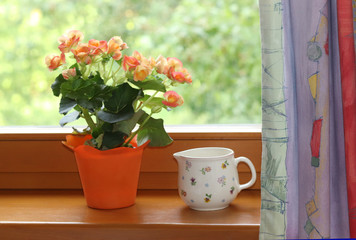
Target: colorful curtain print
308, 176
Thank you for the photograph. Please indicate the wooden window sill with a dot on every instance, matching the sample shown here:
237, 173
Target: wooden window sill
157, 214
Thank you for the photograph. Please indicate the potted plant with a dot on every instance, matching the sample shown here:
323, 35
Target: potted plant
117, 95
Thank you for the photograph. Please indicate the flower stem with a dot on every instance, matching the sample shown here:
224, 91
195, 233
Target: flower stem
114, 73
82, 69
136, 132
87, 118
104, 72
112, 63
147, 101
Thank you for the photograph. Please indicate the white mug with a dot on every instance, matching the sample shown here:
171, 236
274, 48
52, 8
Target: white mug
208, 178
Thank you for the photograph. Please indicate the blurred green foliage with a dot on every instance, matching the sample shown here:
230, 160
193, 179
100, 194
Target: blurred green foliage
217, 41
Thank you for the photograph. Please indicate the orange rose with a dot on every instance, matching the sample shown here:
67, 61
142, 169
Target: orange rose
178, 76
162, 65
68, 73
141, 72
172, 99
129, 63
187, 77
97, 47
152, 62
115, 45
117, 55
182, 76
69, 40
175, 63
149, 63
54, 61
81, 53
137, 55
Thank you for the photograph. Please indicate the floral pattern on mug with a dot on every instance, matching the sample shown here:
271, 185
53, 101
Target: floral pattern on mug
232, 189
224, 165
183, 193
193, 181
205, 170
207, 197
188, 165
222, 180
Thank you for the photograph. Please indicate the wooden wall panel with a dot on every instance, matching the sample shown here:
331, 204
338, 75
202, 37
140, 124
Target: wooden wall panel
36, 156
40, 180
61, 180
161, 160
31, 161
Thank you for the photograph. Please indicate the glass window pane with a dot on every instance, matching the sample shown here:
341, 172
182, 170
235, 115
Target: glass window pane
217, 41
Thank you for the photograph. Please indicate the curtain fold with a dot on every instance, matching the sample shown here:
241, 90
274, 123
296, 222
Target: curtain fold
346, 31
308, 126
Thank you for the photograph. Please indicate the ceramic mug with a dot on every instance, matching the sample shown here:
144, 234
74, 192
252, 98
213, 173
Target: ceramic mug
208, 178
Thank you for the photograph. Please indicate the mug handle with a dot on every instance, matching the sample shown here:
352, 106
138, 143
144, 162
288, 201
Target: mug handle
252, 169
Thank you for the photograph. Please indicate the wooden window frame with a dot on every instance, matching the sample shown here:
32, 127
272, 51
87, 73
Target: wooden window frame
34, 158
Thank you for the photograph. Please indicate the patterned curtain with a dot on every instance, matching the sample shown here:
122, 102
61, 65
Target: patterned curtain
308, 178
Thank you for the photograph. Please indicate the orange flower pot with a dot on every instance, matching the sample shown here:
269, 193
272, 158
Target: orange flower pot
109, 178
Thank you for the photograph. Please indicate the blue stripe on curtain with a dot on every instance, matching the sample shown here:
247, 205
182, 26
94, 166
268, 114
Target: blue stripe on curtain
274, 133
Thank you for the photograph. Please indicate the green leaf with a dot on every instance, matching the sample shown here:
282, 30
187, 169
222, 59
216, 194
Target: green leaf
128, 125
78, 83
150, 84
96, 78
66, 105
124, 114
96, 132
90, 104
155, 101
103, 127
113, 139
80, 88
154, 131
89, 93
122, 96
101, 92
75, 89
70, 117
56, 86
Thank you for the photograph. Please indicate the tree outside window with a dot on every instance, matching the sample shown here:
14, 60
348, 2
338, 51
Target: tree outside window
218, 41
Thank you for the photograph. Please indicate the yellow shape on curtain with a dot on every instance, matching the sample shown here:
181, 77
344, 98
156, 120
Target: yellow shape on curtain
313, 80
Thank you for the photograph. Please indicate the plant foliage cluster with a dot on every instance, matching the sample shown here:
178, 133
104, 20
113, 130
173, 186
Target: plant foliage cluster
113, 92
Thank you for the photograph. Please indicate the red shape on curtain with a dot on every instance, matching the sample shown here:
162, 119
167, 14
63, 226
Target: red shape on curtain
326, 46
315, 140
348, 81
